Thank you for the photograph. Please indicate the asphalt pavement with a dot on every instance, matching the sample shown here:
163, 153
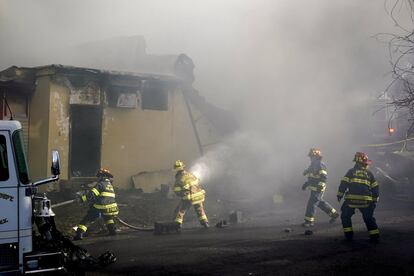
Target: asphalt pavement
268, 243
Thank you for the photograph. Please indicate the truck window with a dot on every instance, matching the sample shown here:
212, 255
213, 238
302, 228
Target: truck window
4, 168
21, 157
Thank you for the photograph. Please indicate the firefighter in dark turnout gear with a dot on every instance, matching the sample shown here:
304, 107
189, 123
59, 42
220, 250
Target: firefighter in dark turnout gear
316, 183
187, 186
101, 203
360, 191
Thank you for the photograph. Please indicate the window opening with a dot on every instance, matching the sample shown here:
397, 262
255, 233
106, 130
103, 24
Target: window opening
154, 95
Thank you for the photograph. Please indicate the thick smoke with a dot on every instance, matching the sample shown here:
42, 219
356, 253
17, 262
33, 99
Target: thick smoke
296, 75
236, 156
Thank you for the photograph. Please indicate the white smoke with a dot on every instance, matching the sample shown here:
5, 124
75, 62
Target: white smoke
237, 157
212, 164
294, 78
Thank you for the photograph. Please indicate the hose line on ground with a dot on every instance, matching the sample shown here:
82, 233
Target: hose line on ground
138, 228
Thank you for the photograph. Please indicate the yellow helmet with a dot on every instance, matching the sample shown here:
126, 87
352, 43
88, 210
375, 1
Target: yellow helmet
179, 165
314, 152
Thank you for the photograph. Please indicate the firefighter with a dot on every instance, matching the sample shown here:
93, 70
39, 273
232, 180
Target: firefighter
361, 191
316, 183
188, 188
101, 203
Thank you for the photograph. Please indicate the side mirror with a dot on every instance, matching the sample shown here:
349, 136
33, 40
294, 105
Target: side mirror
55, 168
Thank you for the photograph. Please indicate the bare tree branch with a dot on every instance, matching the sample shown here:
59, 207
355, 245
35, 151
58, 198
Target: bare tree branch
401, 55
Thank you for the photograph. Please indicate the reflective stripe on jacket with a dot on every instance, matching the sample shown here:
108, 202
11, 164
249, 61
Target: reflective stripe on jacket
188, 187
317, 175
102, 197
359, 187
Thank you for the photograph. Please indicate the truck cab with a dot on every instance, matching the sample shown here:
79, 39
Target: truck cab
17, 194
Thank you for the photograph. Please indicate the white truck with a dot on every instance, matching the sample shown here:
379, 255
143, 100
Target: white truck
18, 252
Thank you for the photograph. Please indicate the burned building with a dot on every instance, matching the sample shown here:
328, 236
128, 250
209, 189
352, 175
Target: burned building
136, 124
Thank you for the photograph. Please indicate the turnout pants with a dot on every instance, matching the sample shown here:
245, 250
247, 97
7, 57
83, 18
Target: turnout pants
92, 215
367, 215
183, 207
316, 199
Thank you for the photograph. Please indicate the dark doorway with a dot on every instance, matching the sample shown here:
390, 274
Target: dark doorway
85, 146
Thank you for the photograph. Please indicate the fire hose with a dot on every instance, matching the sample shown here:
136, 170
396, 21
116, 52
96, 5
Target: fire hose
146, 229
63, 203
138, 228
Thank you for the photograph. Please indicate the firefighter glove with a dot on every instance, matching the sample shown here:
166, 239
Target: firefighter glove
304, 186
339, 198
187, 195
79, 198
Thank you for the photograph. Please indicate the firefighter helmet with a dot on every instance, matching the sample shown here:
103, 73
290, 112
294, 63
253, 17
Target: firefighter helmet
104, 173
314, 152
361, 157
179, 165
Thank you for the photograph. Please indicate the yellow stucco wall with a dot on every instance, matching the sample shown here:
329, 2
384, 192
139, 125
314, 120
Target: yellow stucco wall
135, 140
59, 126
49, 128
39, 129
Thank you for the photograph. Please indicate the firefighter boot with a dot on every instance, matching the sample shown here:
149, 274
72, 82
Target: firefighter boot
205, 224
349, 236
374, 238
79, 235
179, 226
112, 229
334, 216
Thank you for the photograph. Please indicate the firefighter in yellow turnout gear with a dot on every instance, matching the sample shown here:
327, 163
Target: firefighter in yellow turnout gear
101, 203
361, 191
188, 188
316, 183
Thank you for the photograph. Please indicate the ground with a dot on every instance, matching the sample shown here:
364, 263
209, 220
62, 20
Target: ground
270, 242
